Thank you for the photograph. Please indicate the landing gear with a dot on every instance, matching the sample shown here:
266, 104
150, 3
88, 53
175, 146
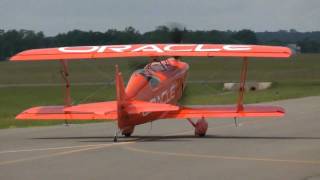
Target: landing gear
127, 132
200, 127
115, 138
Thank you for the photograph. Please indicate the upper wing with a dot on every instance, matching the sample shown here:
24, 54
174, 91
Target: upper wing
152, 50
226, 112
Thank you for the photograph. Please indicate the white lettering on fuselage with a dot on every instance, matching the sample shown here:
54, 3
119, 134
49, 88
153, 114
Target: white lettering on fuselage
165, 96
155, 48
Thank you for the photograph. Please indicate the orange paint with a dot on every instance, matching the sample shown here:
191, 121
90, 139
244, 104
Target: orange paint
153, 92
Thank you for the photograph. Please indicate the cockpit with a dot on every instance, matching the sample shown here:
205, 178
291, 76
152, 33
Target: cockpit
148, 77
152, 72
152, 79
151, 76
139, 80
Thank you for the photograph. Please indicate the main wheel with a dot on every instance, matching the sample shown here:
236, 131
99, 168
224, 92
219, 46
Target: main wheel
201, 128
127, 132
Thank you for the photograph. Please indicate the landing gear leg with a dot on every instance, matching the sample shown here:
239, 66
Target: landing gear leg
236, 122
116, 134
66, 123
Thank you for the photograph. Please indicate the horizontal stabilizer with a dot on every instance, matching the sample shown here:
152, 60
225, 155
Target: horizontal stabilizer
131, 107
226, 112
94, 111
95, 108
135, 107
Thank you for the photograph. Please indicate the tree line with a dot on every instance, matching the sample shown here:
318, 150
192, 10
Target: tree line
13, 41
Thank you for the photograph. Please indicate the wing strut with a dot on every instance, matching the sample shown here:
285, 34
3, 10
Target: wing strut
243, 78
65, 75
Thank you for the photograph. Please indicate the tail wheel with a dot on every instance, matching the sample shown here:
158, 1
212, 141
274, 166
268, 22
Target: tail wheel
127, 132
201, 128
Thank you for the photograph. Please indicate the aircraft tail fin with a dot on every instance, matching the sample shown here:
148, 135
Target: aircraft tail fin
120, 89
121, 99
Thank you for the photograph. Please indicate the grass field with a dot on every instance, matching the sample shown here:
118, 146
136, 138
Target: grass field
33, 83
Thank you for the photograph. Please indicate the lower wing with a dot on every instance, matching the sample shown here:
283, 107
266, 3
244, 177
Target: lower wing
226, 112
59, 113
108, 111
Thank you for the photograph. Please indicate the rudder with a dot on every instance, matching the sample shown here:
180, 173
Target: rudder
121, 99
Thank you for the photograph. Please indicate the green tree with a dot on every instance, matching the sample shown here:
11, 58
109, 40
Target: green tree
309, 46
245, 36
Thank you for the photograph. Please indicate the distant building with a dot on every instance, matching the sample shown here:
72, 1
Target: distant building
295, 48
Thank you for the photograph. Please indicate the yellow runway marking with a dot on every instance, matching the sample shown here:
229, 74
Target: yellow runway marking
88, 147
52, 148
191, 155
65, 153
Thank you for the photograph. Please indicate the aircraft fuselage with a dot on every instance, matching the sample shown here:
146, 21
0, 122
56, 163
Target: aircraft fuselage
160, 82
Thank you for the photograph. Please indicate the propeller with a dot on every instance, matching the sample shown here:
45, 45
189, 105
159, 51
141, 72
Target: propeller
177, 32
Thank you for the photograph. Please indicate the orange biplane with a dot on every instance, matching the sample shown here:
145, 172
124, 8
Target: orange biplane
153, 92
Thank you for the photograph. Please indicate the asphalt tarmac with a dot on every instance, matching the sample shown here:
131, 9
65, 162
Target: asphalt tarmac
261, 148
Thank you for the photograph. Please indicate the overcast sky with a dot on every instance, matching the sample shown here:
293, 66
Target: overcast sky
55, 16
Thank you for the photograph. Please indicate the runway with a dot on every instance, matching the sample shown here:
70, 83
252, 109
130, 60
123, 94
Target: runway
261, 148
